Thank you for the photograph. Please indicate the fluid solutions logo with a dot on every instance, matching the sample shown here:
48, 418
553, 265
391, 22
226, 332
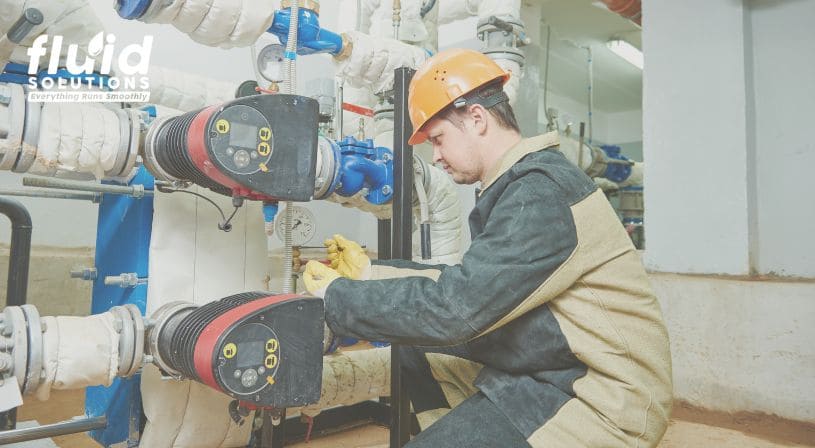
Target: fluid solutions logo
82, 82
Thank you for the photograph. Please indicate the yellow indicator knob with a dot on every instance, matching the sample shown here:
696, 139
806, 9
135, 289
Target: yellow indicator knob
270, 379
263, 167
264, 149
271, 345
230, 350
222, 126
270, 362
265, 134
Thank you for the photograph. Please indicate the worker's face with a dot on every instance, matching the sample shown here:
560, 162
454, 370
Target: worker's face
453, 147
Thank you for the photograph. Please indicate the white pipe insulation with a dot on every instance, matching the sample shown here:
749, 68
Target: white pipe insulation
70, 140
185, 91
454, 10
68, 363
216, 23
585, 161
350, 377
77, 139
373, 60
72, 19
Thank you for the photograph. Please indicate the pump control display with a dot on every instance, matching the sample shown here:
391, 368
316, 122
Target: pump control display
261, 147
240, 149
258, 348
253, 367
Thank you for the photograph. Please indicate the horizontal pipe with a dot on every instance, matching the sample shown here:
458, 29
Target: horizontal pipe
53, 430
93, 197
136, 191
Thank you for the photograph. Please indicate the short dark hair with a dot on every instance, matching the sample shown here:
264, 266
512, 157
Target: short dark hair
501, 111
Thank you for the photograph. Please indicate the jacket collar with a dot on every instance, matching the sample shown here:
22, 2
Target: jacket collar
517, 152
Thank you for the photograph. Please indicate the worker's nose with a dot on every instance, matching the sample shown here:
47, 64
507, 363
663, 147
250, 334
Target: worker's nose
436, 154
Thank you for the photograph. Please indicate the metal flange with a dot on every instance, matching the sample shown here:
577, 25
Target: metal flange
31, 136
123, 324
14, 327
161, 317
149, 154
35, 349
13, 142
139, 346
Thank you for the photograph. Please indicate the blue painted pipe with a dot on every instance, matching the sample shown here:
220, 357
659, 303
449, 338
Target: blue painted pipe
270, 211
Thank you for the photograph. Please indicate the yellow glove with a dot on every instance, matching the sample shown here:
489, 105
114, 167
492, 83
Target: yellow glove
317, 277
348, 258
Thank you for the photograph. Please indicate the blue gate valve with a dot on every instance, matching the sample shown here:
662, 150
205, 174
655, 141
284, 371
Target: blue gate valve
311, 39
366, 166
618, 166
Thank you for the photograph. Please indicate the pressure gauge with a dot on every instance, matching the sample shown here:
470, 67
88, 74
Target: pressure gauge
302, 225
270, 62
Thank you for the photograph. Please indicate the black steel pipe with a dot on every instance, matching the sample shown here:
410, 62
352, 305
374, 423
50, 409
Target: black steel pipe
19, 251
402, 244
18, 262
426, 252
53, 430
383, 234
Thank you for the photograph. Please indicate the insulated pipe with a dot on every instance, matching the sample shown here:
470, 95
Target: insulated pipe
630, 9
30, 18
19, 252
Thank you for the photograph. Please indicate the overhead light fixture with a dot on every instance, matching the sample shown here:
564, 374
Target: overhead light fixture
626, 51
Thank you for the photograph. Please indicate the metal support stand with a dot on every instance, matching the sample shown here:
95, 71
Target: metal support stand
402, 240
383, 233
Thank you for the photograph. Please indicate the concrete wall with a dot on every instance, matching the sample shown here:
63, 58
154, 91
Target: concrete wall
50, 286
694, 137
741, 345
783, 92
737, 127
727, 99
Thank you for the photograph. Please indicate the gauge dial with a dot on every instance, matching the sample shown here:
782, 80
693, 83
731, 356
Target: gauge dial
303, 226
270, 62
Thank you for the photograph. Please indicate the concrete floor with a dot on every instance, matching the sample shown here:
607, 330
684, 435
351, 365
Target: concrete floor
692, 428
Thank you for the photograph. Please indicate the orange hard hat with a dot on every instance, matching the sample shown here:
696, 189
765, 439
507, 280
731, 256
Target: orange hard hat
442, 79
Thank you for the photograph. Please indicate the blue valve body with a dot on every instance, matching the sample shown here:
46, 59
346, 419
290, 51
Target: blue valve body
365, 166
311, 39
616, 172
132, 9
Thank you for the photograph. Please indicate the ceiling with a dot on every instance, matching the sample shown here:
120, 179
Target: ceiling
575, 25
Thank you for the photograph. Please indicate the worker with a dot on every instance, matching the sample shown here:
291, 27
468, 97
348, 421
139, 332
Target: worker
548, 333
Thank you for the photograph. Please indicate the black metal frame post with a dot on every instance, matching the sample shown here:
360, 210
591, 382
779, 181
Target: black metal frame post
17, 281
383, 233
402, 243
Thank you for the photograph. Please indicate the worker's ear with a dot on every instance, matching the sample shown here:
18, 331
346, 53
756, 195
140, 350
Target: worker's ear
479, 116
